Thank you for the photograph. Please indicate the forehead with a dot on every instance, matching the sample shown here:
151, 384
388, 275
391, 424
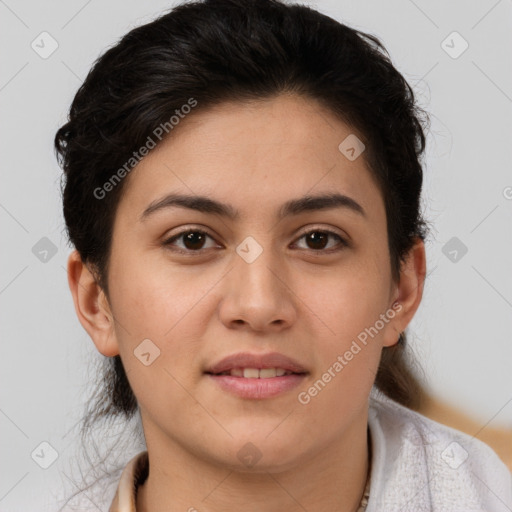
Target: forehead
255, 155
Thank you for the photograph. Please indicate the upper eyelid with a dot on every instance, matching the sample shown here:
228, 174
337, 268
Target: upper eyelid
321, 228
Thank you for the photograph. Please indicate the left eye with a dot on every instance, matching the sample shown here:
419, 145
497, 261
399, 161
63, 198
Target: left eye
319, 237
193, 240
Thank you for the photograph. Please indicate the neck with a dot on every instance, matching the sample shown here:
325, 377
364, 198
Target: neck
331, 479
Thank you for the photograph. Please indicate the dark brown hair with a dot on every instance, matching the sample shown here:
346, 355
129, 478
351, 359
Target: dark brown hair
238, 50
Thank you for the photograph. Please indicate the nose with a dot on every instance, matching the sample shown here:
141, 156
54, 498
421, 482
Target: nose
258, 296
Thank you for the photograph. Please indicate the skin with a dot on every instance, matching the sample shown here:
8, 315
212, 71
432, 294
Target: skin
295, 298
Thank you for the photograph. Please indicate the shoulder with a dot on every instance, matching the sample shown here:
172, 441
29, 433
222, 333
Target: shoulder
421, 465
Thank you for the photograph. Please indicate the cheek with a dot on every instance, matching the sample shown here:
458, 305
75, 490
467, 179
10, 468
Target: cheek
156, 300
167, 312
349, 346
343, 303
346, 309
167, 309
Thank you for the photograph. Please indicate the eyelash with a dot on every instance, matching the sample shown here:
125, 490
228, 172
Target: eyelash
167, 243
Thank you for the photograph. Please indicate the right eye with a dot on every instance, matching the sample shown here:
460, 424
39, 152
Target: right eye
192, 239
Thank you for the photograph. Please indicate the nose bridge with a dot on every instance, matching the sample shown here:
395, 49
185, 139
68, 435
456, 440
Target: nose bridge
257, 293
257, 268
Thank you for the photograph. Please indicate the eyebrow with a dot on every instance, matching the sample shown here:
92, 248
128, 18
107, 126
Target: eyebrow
206, 204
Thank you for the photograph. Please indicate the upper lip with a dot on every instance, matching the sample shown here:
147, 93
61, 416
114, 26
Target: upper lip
248, 360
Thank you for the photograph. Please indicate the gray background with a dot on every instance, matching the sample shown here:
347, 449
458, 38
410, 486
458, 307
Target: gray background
461, 333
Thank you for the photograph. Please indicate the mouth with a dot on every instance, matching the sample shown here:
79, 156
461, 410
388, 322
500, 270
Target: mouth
257, 376
257, 373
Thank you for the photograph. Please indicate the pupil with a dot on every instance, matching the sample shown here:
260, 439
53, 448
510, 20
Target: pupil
315, 236
192, 238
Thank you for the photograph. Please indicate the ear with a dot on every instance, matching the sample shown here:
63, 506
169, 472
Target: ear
407, 293
91, 306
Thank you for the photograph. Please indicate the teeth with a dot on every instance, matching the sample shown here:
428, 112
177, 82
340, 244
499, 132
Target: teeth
255, 373
266, 373
251, 373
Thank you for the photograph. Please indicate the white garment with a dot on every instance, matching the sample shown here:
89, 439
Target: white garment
419, 465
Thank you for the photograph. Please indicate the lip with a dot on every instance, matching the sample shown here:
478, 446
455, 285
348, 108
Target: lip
248, 360
257, 389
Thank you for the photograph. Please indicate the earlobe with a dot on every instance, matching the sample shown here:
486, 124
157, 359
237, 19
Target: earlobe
91, 306
409, 290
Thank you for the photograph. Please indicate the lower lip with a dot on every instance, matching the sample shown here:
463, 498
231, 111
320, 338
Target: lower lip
257, 388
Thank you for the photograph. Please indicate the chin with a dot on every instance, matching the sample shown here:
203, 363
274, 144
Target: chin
264, 465
260, 453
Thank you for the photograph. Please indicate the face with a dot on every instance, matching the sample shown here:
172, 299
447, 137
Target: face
199, 285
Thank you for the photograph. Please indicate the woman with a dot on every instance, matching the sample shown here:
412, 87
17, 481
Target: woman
243, 183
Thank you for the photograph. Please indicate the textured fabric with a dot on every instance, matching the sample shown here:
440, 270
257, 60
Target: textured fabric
418, 465
133, 475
